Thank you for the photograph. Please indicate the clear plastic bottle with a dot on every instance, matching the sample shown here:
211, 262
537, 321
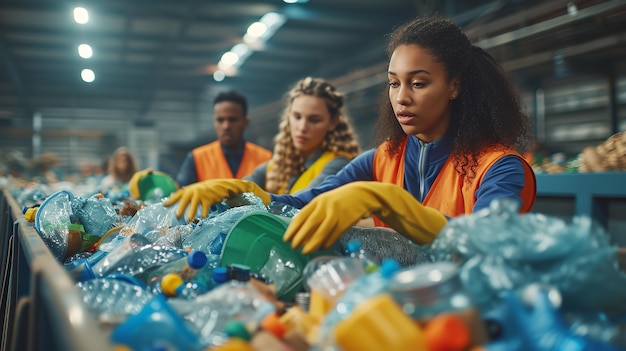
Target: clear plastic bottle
210, 313
136, 257
428, 289
354, 249
360, 290
186, 267
173, 285
211, 276
114, 298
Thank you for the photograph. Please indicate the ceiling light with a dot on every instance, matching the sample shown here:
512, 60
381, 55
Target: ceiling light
229, 58
295, 1
81, 16
84, 50
273, 20
87, 75
257, 29
219, 76
242, 50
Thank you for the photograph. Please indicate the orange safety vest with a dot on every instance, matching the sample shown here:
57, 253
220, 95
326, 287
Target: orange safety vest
450, 193
312, 172
211, 162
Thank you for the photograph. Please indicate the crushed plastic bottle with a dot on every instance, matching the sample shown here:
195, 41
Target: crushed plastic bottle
136, 257
355, 249
114, 298
210, 313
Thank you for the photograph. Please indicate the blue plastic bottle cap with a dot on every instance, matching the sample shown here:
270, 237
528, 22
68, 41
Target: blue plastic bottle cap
220, 275
388, 267
196, 259
353, 245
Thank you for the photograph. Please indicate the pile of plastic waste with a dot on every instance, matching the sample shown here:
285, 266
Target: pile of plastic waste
495, 280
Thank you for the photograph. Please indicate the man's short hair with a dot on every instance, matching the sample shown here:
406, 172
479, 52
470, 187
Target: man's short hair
232, 96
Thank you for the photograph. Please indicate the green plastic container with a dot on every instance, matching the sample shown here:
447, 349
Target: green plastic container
155, 185
252, 238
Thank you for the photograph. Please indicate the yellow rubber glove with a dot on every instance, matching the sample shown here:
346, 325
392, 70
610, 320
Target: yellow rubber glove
133, 184
210, 192
322, 221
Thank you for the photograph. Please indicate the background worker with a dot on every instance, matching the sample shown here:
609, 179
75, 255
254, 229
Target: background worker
451, 133
230, 156
120, 169
315, 139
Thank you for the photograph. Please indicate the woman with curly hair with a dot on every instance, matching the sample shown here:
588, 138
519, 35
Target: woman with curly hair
315, 139
451, 132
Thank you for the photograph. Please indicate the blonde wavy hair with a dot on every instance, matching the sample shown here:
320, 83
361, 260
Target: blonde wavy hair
287, 161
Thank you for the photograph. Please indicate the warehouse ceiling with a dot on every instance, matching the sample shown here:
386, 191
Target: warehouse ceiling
154, 60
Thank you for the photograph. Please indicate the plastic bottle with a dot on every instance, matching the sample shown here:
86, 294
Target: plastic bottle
362, 289
114, 298
379, 324
156, 326
355, 249
428, 289
186, 267
173, 285
80, 270
210, 313
211, 276
136, 257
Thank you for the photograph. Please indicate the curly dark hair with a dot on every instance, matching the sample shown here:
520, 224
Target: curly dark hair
487, 111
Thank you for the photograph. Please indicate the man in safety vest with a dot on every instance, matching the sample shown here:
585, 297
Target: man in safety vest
230, 156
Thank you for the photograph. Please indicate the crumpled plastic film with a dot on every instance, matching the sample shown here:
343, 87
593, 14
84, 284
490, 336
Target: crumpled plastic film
97, 215
174, 236
383, 243
281, 209
52, 222
501, 250
33, 194
154, 217
219, 222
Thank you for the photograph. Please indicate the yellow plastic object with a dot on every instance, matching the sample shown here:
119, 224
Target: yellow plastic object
379, 324
318, 305
169, 283
234, 344
110, 235
29, 215
297, 320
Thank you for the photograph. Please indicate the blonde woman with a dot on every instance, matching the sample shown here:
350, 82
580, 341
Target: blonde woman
121, 167
315, 140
